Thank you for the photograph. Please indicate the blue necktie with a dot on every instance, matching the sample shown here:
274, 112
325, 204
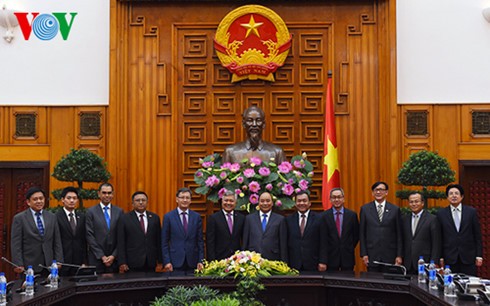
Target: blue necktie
40, 226
264, 222
107, 218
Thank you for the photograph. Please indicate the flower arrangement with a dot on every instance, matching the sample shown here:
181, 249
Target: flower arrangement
245, 264
251, 177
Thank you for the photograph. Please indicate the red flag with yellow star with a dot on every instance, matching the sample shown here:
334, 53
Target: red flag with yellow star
331, 171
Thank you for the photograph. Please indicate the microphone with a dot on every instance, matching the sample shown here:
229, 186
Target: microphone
69, 265
12, 264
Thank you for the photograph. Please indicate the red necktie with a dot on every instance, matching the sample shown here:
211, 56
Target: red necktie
302, 224
142, 223
337, 222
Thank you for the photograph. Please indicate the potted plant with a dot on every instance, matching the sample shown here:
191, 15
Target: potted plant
425, 169
81, 166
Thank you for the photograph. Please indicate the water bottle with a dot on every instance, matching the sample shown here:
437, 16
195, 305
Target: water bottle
421, 269
3, 289
450, 289
432, 275
30, 281
447, 279
53, 277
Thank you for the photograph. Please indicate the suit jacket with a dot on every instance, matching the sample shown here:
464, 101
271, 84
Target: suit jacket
381, 241
220, 243
426, 242
101, 240
271, 244
28, 247
135, 247
467, 243
304, 251
177, 245
340, 251
74, 244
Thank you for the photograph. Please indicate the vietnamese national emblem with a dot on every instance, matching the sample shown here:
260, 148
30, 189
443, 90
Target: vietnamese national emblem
252, 42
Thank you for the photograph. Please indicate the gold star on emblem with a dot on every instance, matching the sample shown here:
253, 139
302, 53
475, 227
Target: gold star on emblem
252, 26
331, 160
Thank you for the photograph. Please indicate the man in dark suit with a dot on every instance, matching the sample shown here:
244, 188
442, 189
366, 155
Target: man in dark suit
461, 233
340, 233
182, 241
72, 231
421, 234
380, 230
101, 226
265, 232
224, 229
35, 237
303, 242
139, 237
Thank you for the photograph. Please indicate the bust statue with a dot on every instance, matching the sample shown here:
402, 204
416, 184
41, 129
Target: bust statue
253, 120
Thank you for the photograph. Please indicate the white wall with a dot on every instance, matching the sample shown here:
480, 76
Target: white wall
57, 72
443, 51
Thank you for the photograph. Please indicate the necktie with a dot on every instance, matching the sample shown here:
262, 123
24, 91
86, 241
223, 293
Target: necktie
230, 223
184, 221
73, 225
40, 226
380, 213
415, 223
107, 218
264, 222
302, 224
337, 223
457, 222
142, 223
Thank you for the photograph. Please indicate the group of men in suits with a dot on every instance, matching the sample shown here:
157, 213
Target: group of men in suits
112, 241
451, 237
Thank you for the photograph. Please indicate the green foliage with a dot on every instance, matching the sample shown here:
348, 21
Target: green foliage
247, 290
428, 194
81, 166
219, 301
182, 296
425, 168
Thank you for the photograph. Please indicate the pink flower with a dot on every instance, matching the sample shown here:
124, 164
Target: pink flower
199, 174
254, 198
303, 184
288, 189
310, 174
239, 179
238, 191
278, 203
221, 192
226, 166
285, 167
298, 174
223, 175
249, 173
212, 180
290, 181
235, 167
244, 187
207, 164
264, 171
255, 161
268, 187
254, 186
299, 164
297, 190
